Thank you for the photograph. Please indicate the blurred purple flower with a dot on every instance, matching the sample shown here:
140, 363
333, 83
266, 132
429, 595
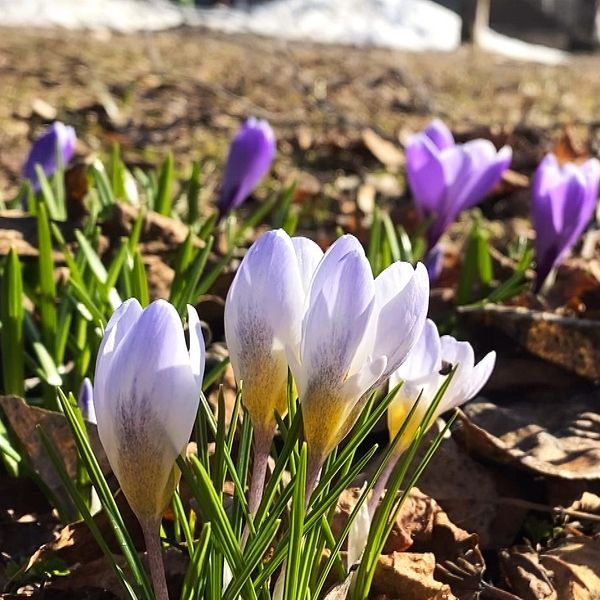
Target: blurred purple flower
249, 159
447, 178
563, 201
85, 401
57, 141
434, 263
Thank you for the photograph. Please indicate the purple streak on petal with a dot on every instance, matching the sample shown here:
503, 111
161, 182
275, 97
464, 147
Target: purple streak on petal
57, 138
563, 200
439, 134
249, 159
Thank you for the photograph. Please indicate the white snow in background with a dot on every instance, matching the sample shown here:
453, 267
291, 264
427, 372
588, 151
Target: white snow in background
415, 25
406, 24
123, 16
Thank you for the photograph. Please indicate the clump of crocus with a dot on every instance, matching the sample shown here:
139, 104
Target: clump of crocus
55, 147
250, 156
431, 360
563, 201
356, 330
146, 393
263, 313
447, 178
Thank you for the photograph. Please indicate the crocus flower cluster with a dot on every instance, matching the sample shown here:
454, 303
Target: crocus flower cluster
55, 146
340, 330
249, 159
447, 178
563, 201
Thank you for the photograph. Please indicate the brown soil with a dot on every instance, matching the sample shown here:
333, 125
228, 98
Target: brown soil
187, 89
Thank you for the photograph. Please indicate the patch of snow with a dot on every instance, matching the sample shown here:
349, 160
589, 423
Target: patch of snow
414, 25
493, 41
404, 24
123, 16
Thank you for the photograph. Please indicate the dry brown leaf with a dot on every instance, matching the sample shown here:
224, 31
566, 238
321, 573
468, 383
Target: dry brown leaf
384, 151
572, 343
525, 576
23, 420
553, 437
409, 576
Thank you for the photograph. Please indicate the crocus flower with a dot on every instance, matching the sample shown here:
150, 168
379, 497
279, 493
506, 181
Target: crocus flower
447, 178
85, 400
56, 144
422, 373
250, 157
562, 205
263, 312
356, 330
146, 393
425, 369
434, 263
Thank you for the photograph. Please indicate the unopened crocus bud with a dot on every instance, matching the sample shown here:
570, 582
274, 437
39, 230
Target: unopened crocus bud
424, 371
146, 394
250, 156
563, 201
56, 145
356, 330
85, 401
447, 178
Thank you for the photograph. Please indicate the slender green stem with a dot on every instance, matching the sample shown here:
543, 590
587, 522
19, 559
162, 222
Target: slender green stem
262, 447
151, 531
381, 484
313, 471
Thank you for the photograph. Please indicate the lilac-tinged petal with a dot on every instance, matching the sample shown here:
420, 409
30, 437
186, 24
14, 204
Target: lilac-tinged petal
263, 313
338, 315
439, 134
249, 160
309, 256
121, 321
402, 301
149, 407
425, 356
197, 351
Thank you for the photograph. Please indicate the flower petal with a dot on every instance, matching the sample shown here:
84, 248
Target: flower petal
263, 312
402, 302
425, 357
439, 134
309, 256
197, 351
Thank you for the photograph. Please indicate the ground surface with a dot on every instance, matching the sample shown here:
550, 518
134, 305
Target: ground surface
188, 89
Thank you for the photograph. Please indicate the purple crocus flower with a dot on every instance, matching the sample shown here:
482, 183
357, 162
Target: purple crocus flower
249, 159
434, 263
57, 141
447, 178
564, 198
85, 401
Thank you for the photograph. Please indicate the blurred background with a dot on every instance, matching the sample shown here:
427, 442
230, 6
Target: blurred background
152, 74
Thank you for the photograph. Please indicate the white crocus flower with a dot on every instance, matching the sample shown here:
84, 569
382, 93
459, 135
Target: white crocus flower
424, 371
146, 397
356, 330
263, 313
146, 394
